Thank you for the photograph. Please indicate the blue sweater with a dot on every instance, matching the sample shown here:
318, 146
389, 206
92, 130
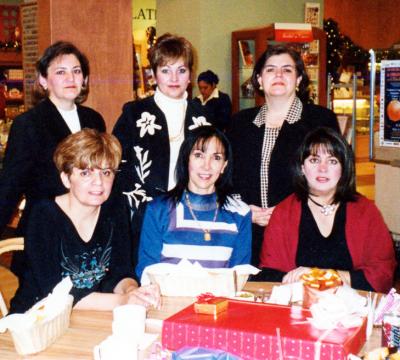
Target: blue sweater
170, 233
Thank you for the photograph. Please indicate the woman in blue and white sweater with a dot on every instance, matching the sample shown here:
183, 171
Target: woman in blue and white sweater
199, 219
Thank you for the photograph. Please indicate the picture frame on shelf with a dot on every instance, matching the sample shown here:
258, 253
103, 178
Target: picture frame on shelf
246, 53
312, 13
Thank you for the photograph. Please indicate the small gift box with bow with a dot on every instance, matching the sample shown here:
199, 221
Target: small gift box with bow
209, 304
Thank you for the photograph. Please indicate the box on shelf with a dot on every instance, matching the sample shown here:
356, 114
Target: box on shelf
260, 331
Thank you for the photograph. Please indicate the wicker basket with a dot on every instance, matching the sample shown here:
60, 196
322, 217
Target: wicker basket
43, 333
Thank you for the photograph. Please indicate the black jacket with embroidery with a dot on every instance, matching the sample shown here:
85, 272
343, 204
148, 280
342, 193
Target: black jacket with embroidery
143, 132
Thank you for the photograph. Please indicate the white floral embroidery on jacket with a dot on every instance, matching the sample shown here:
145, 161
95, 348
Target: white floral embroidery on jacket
147, 124
138, 195
143, 163
198, 121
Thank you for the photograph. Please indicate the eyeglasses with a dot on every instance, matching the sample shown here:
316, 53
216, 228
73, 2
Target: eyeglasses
91, 174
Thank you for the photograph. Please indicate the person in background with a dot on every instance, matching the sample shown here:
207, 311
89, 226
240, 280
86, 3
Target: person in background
216, 104
152, 130
199, 219
62, 84
265, 139
82, 237
326, 223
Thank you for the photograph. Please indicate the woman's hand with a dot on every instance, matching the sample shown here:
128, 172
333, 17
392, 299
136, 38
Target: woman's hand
261, 216
148, 296
295, 275
345, 276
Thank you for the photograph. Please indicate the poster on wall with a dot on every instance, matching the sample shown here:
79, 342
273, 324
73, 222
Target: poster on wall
389, 122
311, 13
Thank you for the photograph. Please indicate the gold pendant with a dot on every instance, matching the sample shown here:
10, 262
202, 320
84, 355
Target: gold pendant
207, 236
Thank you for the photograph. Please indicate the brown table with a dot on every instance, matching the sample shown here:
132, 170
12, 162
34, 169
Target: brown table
88, 328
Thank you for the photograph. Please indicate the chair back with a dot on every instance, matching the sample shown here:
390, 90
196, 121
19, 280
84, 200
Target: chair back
7, 245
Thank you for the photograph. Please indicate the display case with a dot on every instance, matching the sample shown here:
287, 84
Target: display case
351, 103
247, 47
11, 93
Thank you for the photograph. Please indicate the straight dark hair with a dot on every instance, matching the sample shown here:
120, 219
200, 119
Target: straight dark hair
199, 139
335, 145
303, 92
54, 51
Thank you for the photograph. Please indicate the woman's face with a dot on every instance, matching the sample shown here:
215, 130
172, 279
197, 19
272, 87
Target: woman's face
206, 89
173, 78
279, 76
64, 80
89, 187
205, 167
323, 172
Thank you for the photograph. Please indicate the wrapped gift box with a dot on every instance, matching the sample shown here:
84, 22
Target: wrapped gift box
212, 305
261, 331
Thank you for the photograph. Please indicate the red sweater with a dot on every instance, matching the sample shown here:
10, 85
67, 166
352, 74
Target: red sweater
368, 239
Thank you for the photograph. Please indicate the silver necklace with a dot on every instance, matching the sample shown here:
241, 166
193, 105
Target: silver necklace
207, 232
325, 209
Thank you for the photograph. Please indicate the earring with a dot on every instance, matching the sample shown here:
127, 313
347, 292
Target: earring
261, 88
297, 88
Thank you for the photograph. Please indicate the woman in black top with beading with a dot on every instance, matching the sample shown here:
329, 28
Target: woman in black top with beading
62, 84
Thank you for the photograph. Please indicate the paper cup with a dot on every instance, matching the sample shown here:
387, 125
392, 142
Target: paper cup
129, 320
115, 348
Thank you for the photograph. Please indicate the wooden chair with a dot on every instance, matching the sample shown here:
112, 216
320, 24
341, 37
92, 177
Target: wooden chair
7, 245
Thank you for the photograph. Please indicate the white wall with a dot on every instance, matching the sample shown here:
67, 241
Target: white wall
208, 24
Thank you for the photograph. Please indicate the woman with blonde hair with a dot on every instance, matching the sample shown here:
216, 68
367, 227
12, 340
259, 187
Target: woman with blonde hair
80, 234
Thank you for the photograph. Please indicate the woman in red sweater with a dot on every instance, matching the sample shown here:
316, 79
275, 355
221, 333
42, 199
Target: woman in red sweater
326, 223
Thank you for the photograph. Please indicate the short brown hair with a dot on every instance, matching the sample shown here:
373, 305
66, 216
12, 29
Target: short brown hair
87, 148
170, 47
53, 52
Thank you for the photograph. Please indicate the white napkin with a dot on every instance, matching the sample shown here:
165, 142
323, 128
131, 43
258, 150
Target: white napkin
345, 308
46, 308
284, 294
191, 279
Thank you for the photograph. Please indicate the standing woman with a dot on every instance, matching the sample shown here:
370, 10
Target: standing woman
265, 139
215, 103
62, 84
152, 130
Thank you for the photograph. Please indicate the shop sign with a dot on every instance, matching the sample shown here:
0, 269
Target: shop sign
291, 32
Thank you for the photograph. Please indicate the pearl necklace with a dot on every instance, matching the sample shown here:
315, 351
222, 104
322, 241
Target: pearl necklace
207, 233
325, 209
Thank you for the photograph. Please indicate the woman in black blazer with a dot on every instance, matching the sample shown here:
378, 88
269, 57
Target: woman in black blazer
28, 169
216, 104
265, 139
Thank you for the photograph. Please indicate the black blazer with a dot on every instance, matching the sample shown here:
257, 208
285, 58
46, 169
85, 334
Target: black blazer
28, 167
247, 141
218, 110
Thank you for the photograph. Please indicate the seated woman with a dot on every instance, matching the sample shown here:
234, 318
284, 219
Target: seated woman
326, 223
199, 219
78, 235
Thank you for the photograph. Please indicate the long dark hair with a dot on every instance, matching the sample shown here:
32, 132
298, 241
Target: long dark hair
303, 93
199, 139
335, 145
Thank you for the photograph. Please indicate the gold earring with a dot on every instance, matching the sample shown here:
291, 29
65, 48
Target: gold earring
261, 88
297, 88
